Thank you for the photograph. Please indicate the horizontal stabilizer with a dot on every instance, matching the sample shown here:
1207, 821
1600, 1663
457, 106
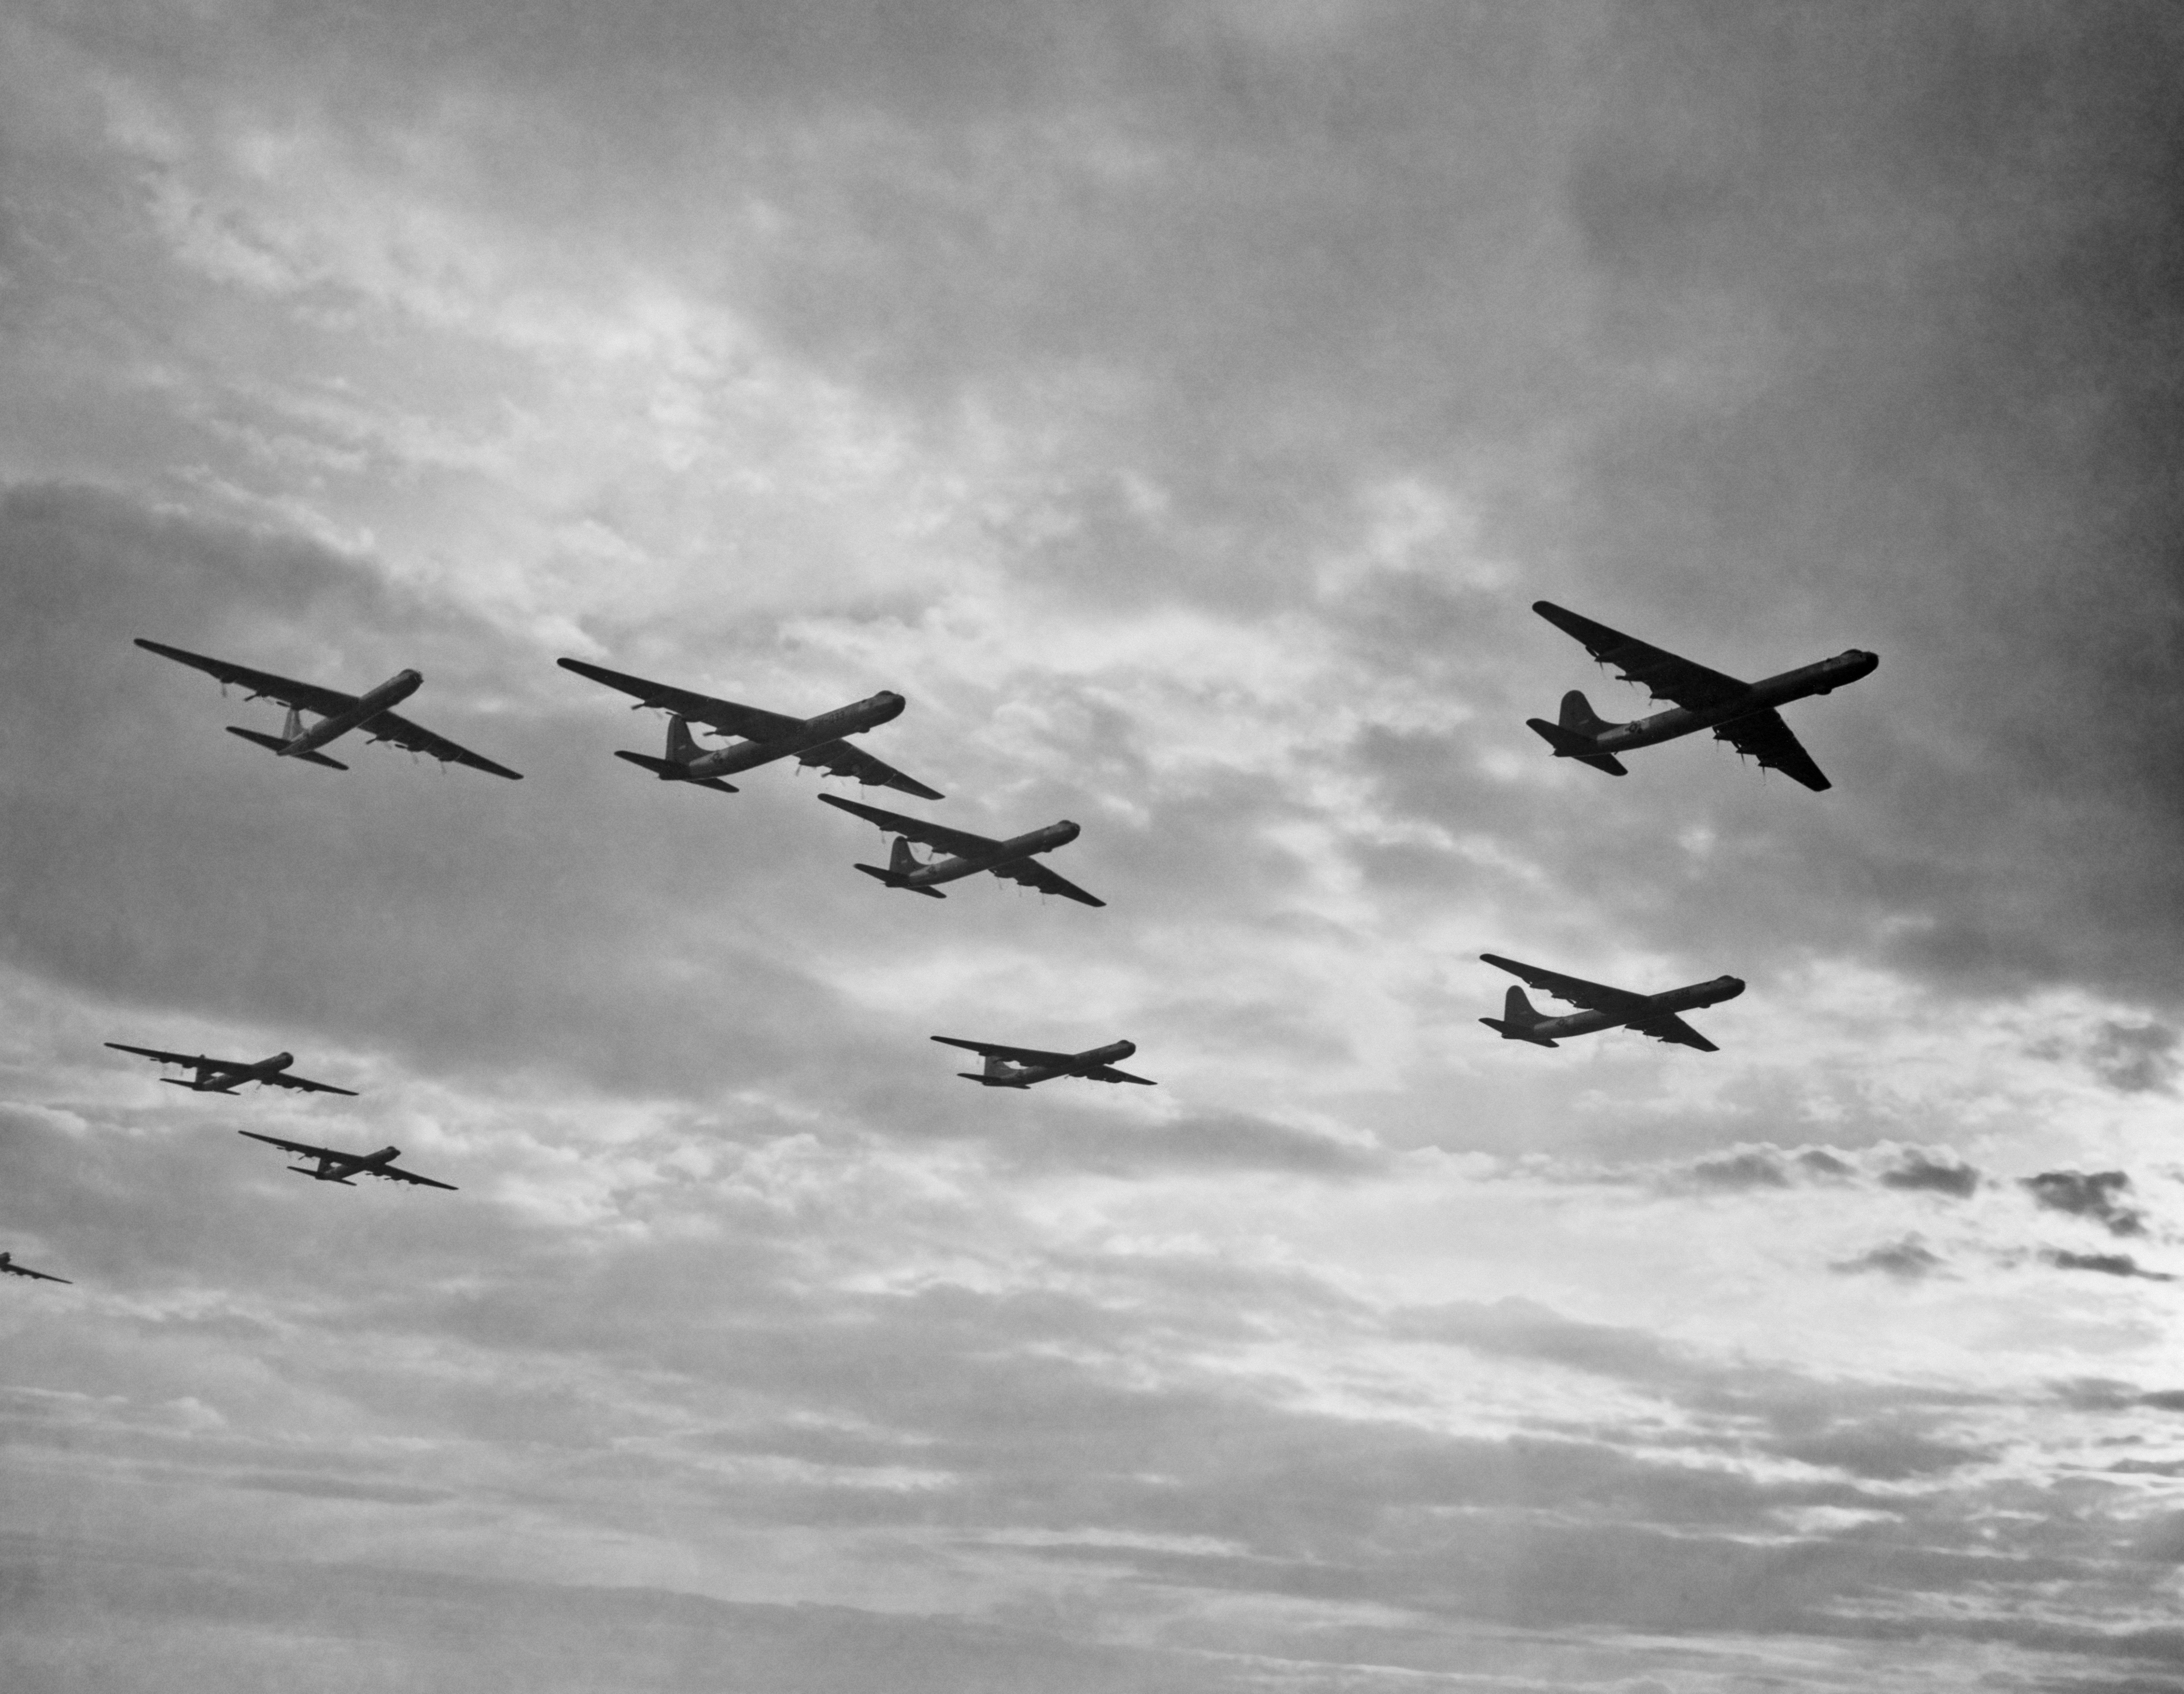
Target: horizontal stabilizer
276, 744
894, 880
1568, 745
306, 1170
991, 1082
1516, 1032
668, 771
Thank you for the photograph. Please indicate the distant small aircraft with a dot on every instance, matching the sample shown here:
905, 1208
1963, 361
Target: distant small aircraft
1011, 859
1741, 713
8, 1264
226, 1076
1606, 1009
340, 1167
337, 714
766, 736
1019, 1067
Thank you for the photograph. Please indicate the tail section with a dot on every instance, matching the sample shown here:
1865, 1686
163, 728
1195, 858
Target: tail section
276, 745
1519, 1022
998, 1073
1575, 736
902, 861
900, 864
682, 749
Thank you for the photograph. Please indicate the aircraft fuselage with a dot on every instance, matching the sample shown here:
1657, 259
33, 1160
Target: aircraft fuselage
829, 726
1692, 998
391, 692
1823, 678
364, 1164
956, 867
1004, 1074
227, 1078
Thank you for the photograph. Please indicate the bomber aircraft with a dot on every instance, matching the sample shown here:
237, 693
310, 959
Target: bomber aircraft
338, 713
340, 1167
764, 736
1606, 1009
8, 1264
1741, 713
226, 1076
968, 854
1019, 1067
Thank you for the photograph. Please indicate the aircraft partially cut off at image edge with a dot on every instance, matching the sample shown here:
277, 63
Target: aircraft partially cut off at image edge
8, 1264
226, 1076
1605, 1008
1013, 860
1741, 713
341, 1167
338, 713
1019, 1067
764, 736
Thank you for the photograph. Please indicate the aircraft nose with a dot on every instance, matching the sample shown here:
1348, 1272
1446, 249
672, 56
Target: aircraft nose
1066, 832
890, 702
1733, 986
1867, 663
1124, 1049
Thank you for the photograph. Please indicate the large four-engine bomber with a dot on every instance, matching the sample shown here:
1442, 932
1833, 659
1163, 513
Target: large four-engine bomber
1741, 713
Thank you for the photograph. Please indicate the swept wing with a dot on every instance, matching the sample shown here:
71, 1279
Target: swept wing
387, 727
731, 718
1764, 736
391, 726
262, 684
14, 1269
939, 836
1669, 1027
1015, 1055
1033, 874
1661, 674
348, 1163
1594, 997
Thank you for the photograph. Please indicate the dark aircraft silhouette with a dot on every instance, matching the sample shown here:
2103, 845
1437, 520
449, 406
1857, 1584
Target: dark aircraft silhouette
1606, 1009
1019, 1067
1741, 713
226, 1076
969, 854
8, 1264
338, 713
340, 1167
766, 735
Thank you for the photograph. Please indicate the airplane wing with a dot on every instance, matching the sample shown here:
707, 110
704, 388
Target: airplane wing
1662, 675
1107, 1073
1015, 1055
727, 716
303, 1147
936, 835
196, 1061
1594, 997
841, 759
1034, 874
396, 1174
1764, 736
13, 1270
392, 726
282, 1079
325, 702
1671, 1028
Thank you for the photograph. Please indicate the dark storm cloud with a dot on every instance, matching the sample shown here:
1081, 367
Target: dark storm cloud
2096, 1196
1919, 1172
1902, 286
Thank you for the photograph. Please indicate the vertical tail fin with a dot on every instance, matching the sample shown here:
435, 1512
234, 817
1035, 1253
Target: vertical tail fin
1518, 1021
902, 860
1577, 714
682, 745
1576, 736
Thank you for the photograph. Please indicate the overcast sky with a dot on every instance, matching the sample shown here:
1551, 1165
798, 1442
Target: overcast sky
1181, 404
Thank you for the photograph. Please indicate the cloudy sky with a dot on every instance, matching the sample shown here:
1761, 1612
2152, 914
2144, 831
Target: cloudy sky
1181, 404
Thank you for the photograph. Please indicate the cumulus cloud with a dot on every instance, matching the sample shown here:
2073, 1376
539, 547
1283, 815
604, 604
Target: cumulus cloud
2106, 1264
1909, 1260
1919, 1172
2096, 1196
